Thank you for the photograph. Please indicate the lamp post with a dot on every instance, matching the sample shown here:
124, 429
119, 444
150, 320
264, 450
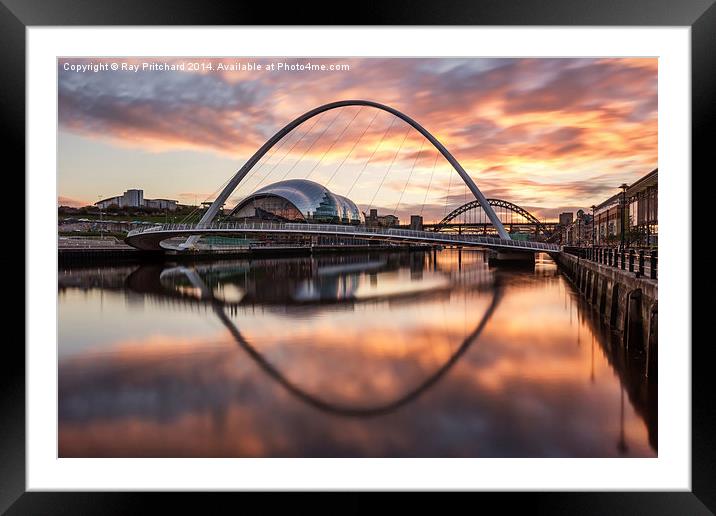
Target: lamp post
624, 187
101, 222
594, 227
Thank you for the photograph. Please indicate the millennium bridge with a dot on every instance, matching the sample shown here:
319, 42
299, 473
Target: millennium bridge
155, 238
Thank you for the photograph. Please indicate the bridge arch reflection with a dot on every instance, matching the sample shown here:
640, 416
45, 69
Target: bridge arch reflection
151, 279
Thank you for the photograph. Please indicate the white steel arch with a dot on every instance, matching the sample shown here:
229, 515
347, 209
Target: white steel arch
239, 176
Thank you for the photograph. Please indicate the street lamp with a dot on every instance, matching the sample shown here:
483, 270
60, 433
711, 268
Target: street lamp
101, 224
594, 226
624, 187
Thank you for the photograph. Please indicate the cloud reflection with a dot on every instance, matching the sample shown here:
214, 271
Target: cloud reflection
510, 394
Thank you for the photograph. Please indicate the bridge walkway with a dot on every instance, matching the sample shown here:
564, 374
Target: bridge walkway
154, 237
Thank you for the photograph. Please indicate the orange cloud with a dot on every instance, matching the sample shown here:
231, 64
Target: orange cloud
519, 126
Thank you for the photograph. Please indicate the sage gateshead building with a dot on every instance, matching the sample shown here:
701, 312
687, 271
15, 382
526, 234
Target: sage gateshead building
297, 200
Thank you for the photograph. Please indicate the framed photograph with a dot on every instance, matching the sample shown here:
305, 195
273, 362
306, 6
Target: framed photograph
419, 252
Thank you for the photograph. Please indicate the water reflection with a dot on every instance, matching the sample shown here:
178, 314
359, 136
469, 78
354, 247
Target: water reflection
384, 354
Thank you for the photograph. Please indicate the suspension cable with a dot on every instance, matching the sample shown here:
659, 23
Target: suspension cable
422, 143
268, 174
389, 168
255, 170
437, 153
196, 208
353, 148
274, 151
464, 201
448, 196
311, 146
392, 121
334, 142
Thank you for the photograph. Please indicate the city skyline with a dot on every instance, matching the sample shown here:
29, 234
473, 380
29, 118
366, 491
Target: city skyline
551, 135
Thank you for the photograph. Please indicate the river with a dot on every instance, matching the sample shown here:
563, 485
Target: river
382, 354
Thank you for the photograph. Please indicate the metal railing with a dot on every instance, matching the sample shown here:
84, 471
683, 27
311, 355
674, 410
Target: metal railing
90, 243
356, 231
641, 262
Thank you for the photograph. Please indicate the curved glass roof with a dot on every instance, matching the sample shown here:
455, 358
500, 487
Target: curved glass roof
312, 199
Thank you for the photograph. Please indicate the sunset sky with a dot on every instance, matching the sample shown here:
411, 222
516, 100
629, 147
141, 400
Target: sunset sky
548, 134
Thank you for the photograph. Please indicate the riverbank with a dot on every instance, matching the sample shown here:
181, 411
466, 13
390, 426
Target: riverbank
628, 304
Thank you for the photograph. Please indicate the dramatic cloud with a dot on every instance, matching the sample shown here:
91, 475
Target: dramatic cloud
546, 132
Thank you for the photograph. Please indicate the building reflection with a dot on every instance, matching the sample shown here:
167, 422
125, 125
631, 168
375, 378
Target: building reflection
630, 367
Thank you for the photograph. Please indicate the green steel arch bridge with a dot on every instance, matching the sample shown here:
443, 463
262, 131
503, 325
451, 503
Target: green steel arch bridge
470, 218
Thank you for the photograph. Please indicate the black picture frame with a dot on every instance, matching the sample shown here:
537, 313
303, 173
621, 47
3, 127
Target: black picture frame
17, 15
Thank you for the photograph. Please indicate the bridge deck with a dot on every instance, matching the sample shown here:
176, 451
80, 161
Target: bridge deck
151, 238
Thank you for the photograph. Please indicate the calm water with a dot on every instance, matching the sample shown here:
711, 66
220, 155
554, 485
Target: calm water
377, 355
